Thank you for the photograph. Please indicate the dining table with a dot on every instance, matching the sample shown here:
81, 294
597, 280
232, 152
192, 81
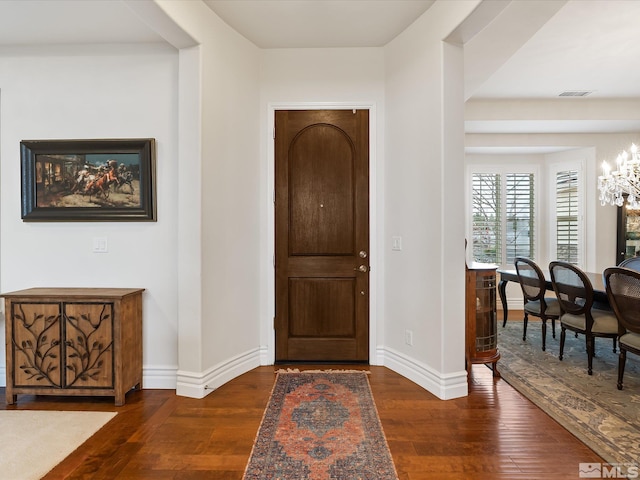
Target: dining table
507, 275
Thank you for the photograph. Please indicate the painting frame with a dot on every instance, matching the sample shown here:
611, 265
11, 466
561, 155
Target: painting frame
65, 161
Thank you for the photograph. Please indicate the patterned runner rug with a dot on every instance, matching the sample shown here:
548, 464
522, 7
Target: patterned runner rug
591, 407
321, 425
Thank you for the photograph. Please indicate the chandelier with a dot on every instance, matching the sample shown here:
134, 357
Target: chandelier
625, 181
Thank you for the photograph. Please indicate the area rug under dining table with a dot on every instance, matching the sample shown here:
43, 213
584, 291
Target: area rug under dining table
320, 425
589, 406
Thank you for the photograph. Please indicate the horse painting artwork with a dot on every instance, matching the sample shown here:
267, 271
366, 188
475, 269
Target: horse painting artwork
88, 180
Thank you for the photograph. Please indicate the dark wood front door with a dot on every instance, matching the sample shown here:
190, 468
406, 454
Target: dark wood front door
322, 235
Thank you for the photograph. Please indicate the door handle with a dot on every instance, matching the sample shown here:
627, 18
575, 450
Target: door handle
362, 268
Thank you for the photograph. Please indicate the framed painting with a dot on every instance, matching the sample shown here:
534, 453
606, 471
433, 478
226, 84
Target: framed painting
88, 180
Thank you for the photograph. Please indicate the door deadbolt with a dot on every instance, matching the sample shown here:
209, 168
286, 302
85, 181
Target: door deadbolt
363, 254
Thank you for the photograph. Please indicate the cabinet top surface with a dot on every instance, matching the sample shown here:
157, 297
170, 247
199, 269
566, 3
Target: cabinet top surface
72, 292
482, 266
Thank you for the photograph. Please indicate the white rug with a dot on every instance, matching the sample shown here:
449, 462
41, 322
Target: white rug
32, 442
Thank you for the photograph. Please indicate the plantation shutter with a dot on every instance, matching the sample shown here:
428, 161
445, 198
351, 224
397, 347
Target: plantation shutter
487, 222
519, 229
567, 216
503, 217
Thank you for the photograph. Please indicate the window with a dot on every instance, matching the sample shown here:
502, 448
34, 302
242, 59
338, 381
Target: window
487, 232
503, 216
567, 217
567, 233
519, 216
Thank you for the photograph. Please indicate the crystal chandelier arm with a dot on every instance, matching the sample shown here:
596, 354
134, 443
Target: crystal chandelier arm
624, 181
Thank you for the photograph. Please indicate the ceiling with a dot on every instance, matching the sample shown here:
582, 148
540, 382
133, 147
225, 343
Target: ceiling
52, 22
588, 45
267, 23
319, 23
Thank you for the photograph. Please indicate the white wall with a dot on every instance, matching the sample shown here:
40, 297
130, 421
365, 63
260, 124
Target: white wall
219, 336
588, 150
201, 104
573, 115
542, 165
601, 220
424, 183
230, 195
72, 92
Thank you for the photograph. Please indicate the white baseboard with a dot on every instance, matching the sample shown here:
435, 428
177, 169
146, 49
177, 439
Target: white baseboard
159, 377
186, 383
199, 385
515, 303
445, 387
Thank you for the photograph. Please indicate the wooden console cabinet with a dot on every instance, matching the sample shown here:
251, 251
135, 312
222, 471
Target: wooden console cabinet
481, 316
73, 341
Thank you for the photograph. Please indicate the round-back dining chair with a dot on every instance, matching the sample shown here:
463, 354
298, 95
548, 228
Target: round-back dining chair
623, 291
574, 292
532, 283
633, 263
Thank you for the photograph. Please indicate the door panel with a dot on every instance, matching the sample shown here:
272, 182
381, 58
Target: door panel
322, 225
321, 192
321, 307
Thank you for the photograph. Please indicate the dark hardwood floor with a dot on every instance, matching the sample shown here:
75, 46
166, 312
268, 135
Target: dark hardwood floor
493, 433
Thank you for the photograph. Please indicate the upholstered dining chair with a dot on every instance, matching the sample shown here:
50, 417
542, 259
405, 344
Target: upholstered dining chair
633, 263
574, 292
532, 283
623, 292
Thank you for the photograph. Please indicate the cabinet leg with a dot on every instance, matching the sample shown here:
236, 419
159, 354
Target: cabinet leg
119, 396
11, 399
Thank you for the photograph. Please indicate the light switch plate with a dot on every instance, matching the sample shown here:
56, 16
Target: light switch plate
100, 245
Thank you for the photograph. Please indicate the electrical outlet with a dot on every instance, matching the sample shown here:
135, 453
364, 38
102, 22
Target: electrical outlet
408, 337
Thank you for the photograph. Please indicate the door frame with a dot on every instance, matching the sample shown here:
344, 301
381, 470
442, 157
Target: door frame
268, 338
